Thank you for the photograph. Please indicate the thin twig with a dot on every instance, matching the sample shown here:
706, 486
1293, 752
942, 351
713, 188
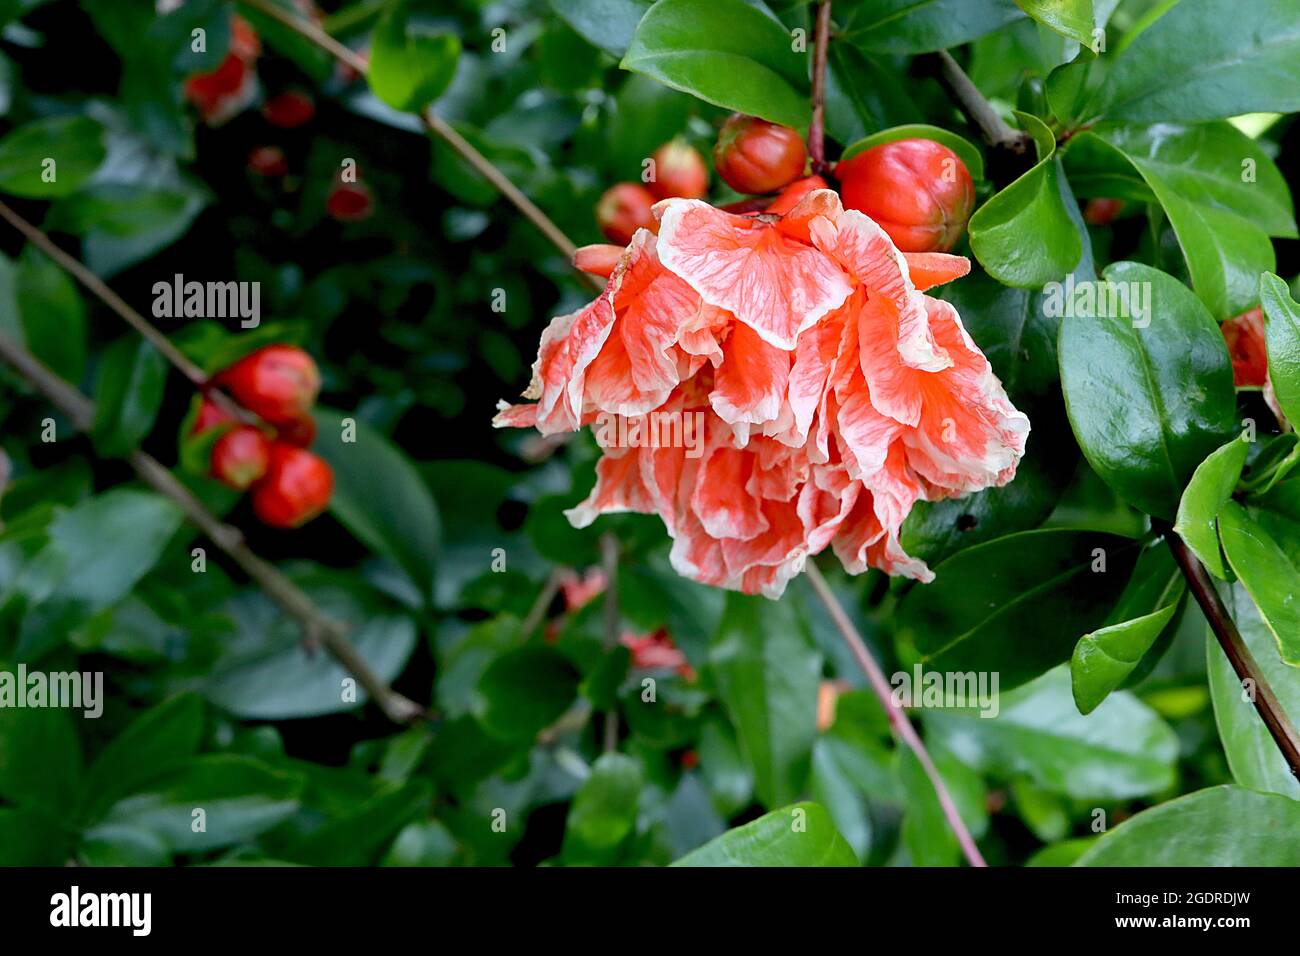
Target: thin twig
151, 334
543, 601
992, 128
609, 562
432, 122
279, 588
897, 718
817, 128
1229, 638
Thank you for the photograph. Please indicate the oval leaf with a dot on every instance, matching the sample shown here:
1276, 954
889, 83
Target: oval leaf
409, 67
801, 835
1282, 338
1270, 575
1211, 486
1147, 383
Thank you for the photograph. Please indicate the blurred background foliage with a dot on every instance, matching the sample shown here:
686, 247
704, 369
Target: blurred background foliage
213, 699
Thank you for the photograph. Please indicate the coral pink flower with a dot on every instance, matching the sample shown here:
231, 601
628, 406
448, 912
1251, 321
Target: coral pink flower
578, 590
227, 90
831, 392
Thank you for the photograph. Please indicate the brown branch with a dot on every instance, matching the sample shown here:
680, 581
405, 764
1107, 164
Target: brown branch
609, 562
902, 727
993, 129
817, 128
151, 334
230, 541
1238, 654
433, 123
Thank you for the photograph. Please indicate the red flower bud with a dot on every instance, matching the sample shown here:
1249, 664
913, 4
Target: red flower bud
268, 161
278, 383
350, 202
598, 259
623, 210
1245, 337
755, 156
679, 172
289, 109
300, 432
239, 457
296, 488
918, 191
210, 415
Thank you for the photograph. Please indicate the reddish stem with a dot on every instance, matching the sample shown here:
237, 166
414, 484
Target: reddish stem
817, 128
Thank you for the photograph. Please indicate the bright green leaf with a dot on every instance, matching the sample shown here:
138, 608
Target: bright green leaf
1070, 18
1105, 657
725, 52
128, 394
1211, 486
1282, 336
1270, 574
410, 67
50, 157
801, 835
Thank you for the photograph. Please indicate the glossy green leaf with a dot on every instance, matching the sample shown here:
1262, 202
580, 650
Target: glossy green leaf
1209, 59
920, 26
1119, 751
965, 150
265, 673
52, 313
1221, 826
1148, 388
1282, 335
1015, 605
1252, 754
76, 576
608, 24
152, 744
380, 496
128, 394
524, 691
1070, 18
1105, 657
726, 52
1024, 235
604, 810
767, 673
863, 94
40, 755
409, 66
50, 157
239, 796
1270, 574
360, 836
1211, 486
1223, 196
801, 835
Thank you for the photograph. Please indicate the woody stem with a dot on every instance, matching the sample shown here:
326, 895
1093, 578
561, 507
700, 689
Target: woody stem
898, 721
1234, 647
313, 622
817, 128
979, 111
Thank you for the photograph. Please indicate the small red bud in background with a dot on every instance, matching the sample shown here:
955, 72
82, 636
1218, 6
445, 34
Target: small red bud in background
622, 210
289, 109
918, 190
278, 383
296, 487
350, 202
300, 432
268, 161
1102, 212
679, 172
755, 156
239, 457
1244, 335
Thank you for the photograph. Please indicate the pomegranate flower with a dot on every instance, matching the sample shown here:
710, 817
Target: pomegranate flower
831, 393
1244, 335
